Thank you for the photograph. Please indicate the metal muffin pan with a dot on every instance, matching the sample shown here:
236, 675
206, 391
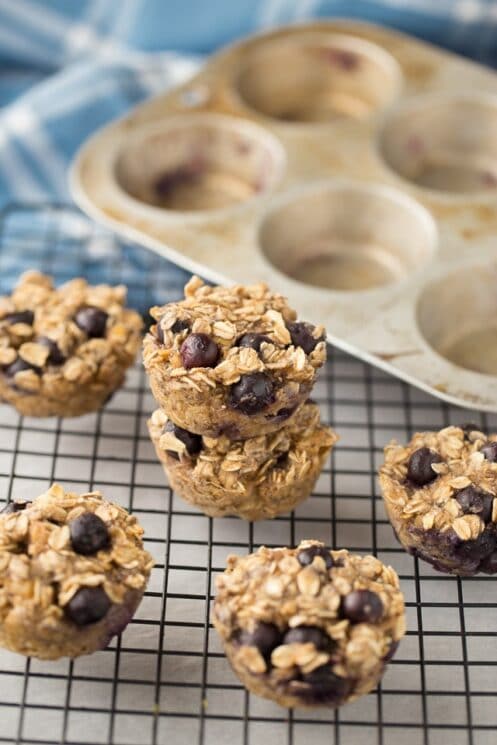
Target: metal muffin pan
351, 167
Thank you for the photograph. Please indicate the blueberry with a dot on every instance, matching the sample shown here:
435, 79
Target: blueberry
282, 414
489, 565
88, 605
191, 441
309, 635
21, 316
306, 555
468, 428
20, 365
199, 350
362, 606
419, 470
490, 451
55, 356
159, 332
301, 335
391, 651
478, 549
109, 397
252, 393
326, 687
89, 534
253, 341
231, 431
281, 461
476, 501
179, 325
265, 636
91, 320
12, 507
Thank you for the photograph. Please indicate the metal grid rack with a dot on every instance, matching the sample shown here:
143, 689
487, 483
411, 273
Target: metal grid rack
166, 679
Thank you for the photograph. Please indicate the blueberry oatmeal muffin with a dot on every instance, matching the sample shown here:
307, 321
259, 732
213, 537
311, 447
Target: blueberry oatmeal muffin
72, 573
231, 361
256, 478
440, 493
309, 627
64, 351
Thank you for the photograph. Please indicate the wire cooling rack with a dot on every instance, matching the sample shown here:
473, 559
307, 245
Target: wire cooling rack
166, 680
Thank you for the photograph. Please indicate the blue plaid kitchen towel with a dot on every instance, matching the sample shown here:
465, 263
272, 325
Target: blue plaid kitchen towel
67, 67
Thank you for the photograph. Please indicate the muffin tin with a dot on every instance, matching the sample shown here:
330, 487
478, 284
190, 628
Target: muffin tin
351, 167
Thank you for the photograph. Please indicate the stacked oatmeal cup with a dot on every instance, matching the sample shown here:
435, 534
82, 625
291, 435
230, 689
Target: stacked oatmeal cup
232, 370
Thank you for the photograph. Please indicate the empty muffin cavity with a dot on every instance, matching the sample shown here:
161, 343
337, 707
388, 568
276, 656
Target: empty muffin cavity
457, 316
445, 143
348, 236
317, 77
199, 162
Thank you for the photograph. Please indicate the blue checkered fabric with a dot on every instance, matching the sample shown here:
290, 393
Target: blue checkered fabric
67, 68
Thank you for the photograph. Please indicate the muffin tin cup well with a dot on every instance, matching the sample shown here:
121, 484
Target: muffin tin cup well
332, 77
351, 189
445, 143
457, 317
347, 236
197, 164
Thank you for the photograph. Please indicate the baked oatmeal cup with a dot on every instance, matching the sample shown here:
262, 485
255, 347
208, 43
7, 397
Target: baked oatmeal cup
440, 494
254, 479
308, 627
65, 350
73, 571
231, 361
